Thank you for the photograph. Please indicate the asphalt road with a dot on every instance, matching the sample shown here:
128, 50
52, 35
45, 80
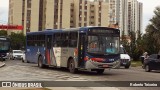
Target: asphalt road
15, 70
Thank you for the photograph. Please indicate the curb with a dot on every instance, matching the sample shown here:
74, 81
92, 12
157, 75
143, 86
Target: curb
2, 64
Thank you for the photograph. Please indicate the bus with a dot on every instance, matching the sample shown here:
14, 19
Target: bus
4, 47
83, 48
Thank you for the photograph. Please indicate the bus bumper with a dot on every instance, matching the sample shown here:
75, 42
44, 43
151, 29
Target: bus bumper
97, 65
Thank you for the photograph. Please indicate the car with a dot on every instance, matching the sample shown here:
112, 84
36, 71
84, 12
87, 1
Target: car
152, 62
125, 59
17, 54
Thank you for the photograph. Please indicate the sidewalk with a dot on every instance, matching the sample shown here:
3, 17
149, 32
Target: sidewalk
2, 64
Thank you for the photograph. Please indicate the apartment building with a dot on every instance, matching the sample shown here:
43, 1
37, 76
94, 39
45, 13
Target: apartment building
135, 17
140, 15
16, 14
37, 15
127, 14
58, 14
118, 14
114, 11
123, 21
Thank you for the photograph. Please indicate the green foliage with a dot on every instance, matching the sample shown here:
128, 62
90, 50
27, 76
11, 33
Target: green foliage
3, 33
136, 51
17, 40
134, 48
149, 42
152, 36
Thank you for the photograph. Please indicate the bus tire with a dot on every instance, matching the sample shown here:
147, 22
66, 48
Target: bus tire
22, 60
27, 61
40, 64
100, 71
71, 66
127, 66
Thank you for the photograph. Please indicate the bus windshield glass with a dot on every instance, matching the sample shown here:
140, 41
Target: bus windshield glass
103, 44
4, 45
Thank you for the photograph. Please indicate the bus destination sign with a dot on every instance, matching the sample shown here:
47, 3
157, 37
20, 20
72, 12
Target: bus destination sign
102, 31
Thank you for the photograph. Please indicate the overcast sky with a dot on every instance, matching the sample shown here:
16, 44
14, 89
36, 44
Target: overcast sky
148, 8
4, 11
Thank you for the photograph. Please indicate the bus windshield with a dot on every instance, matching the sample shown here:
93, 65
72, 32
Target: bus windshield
103, 44
4, 45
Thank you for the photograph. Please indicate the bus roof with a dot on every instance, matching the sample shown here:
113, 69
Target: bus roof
85, 29
46, 31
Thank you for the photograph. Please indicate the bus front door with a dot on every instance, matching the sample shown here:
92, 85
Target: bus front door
81, 50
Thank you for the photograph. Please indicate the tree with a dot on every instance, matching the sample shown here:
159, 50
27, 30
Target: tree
152, 35
125, 42
3, 33
135, 46
149, 43
134, 51
17, 40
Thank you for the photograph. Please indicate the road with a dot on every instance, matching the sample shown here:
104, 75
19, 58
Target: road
15, 70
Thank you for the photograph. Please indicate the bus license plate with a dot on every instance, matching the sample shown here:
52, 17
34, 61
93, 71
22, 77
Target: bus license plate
105, 65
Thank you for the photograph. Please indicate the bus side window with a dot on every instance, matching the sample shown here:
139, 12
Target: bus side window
73, 39
56, 40
55, 45
73, 43
64, 39
65, 43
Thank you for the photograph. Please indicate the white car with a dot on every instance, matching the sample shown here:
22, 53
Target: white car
17, 54
124, 58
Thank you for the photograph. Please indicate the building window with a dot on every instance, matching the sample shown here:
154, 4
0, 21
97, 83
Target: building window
80, 1
85, 7
79, 24
28, 3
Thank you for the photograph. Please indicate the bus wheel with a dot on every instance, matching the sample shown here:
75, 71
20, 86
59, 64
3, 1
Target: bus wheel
27, 61
22, 60
127, 66
40, 62
72, 68
100, 71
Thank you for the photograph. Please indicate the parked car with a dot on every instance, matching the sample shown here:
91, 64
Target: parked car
152, 63
17, 54
124, 58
